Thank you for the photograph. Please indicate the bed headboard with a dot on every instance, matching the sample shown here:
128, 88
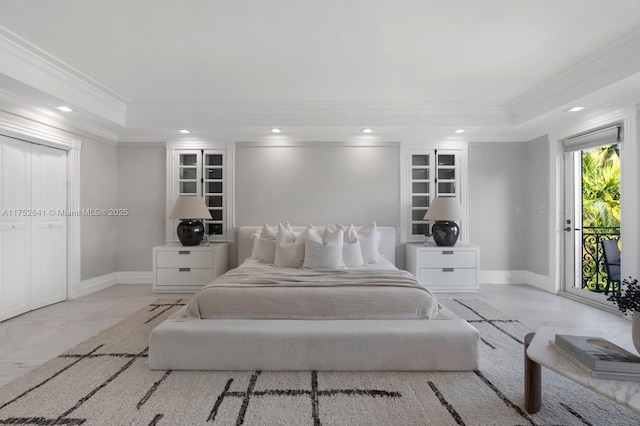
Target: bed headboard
388, 241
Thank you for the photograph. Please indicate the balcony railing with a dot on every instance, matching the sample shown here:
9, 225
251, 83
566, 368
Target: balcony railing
594, 271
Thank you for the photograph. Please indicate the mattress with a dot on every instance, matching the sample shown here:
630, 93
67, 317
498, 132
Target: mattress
260, 291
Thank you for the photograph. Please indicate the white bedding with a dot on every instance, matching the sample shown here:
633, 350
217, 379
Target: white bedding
383, 264
259, 291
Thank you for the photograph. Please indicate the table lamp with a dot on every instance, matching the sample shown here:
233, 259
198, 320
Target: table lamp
190, 209
445, 210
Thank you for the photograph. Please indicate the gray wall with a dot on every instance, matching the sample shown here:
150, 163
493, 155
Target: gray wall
537, 206
142, 190
497, 204
98, 189
317, 184
322, 184
508, 204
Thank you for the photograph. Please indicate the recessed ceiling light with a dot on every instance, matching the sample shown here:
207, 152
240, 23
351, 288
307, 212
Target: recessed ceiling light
184, 131
275, 130
64, 108
575, 109
459, 131
366, 131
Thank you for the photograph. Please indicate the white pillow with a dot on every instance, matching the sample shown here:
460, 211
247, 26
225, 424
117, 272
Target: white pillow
267, 244
255, 248
351, 250
289, 248
323, 253
369, 237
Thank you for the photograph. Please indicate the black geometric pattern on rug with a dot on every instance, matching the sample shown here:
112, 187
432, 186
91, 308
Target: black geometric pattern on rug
63, 419
492, 322
161, 308
314, 394
495, 323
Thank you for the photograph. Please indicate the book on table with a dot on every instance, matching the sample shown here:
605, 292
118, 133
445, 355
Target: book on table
609, 375
598, 354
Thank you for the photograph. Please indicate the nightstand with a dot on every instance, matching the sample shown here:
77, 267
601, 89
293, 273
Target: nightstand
444, 269
180, 269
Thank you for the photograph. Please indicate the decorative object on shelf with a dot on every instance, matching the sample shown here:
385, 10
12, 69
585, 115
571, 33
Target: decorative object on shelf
629, 300
190, 209
445, 210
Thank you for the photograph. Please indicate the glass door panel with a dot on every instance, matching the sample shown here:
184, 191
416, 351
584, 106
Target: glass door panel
188, 173
446, 189
420, 194
445, 160
446, 174
213, 173
592, 216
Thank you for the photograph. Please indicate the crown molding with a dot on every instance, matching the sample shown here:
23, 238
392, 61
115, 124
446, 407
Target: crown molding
110, 117
616, 61
19, 106
319, 107
52, 76
35, 135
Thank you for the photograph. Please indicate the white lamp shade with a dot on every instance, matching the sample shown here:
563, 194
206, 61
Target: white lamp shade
190, 207
445, 208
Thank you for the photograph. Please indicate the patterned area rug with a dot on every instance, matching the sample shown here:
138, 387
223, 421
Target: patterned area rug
106, 381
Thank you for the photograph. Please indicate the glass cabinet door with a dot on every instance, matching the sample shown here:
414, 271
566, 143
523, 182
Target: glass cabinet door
199, 169
446, 176
188, 173
431, 173
213, 184
421, 187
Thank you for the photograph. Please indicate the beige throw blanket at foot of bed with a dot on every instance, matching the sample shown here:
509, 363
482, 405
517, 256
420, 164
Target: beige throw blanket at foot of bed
282, 293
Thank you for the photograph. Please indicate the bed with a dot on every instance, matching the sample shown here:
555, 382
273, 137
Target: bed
262, 317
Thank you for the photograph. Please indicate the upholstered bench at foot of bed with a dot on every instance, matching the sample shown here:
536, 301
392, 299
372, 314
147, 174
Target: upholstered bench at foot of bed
245, 344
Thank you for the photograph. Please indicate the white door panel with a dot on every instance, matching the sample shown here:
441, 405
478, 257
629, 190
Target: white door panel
33, 247
15, 227
49, 230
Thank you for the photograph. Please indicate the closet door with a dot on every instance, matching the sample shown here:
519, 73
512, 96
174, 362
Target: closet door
15, 227
49, 230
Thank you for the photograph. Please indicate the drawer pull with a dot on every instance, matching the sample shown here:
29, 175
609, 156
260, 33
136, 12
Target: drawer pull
184, 269
447, 269
447, 251
184, 252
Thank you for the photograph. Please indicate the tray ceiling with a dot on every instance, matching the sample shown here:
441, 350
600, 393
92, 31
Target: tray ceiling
241, 66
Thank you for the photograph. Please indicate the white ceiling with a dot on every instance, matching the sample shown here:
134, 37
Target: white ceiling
137, 70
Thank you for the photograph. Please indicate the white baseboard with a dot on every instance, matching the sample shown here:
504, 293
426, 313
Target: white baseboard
135, 277
86, 287
93, 285
542, 282
501, 277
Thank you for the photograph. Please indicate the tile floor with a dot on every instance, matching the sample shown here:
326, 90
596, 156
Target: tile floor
35, 337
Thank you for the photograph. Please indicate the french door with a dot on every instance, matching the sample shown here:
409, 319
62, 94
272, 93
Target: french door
591, 211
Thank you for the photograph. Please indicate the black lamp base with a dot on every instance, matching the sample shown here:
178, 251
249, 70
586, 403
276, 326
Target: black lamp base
190, 232
445, 232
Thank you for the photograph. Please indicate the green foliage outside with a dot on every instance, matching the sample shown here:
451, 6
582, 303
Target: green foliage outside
601, 186
600, 205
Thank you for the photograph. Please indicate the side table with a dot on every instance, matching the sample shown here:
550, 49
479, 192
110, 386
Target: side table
538, 353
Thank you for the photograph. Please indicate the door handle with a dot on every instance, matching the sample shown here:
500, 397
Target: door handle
569, 229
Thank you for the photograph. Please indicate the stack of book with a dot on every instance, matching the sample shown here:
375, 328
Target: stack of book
599, 357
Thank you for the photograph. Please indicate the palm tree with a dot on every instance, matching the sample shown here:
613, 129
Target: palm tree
601, 187
600, 204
